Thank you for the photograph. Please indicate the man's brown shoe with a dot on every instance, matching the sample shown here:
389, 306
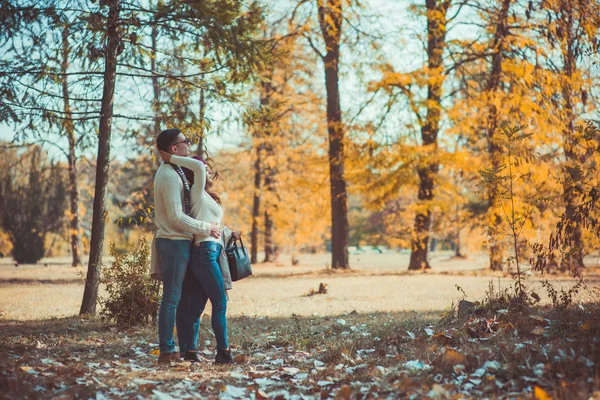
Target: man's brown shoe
168, 358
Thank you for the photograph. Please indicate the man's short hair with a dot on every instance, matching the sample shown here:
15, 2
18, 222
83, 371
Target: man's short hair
165, 139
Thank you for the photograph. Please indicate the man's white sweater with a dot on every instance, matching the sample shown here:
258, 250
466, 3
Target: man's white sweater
170, 219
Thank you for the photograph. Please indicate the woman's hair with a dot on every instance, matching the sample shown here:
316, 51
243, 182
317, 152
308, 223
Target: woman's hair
189, 174
165, 139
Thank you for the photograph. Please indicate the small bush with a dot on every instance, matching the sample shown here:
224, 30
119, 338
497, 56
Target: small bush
132, 297
563, 299
32, 201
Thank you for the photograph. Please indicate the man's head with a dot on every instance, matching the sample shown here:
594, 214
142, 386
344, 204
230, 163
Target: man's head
172, 141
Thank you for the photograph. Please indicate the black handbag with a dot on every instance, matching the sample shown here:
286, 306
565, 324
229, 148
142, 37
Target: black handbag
237, 257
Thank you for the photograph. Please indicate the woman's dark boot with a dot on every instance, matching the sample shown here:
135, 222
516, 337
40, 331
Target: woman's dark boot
191, 356
223, 357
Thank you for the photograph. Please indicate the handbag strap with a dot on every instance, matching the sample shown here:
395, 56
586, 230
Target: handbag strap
234, 238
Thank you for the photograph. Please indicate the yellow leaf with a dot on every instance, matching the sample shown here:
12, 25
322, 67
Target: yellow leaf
155, 352
541, 394
26, 368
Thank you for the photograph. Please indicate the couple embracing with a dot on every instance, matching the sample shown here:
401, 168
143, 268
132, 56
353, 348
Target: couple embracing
189, 256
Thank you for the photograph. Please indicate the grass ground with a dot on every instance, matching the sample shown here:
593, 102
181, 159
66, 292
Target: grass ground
379, 332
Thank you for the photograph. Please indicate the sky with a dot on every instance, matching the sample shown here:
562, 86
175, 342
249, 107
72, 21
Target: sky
402, 49
229, 133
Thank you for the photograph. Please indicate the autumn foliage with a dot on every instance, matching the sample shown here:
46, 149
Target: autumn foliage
349, 131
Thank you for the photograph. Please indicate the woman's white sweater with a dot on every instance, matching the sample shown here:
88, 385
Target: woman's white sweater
204, 207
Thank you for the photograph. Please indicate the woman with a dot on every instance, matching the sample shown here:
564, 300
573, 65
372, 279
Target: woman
205, 279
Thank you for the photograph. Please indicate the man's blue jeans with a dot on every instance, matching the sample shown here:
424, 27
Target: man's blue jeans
204, 281
174, 257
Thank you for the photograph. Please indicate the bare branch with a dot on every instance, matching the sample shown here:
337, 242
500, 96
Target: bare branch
310, 42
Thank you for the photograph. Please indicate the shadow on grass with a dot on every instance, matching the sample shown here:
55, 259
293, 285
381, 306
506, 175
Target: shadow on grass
21, 337
244, 331
31, 281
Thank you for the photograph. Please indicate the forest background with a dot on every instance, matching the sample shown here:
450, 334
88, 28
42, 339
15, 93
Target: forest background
334, 125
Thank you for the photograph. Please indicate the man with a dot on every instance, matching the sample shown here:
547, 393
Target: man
175, 232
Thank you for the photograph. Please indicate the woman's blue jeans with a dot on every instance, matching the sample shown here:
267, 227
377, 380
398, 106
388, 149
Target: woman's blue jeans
203, 281
174, 257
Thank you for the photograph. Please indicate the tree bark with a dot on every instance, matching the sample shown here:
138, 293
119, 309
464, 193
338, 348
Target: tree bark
270, 254
330, 21
494, 146
90, 294
201, 122
457, 253
71, 158
256, 206
428, 168
269, 181
574, 260
259, 145
155, 94
155, 84
269, 169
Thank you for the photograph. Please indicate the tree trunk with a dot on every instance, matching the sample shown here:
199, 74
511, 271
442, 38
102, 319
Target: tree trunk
494, 146
155, 84
428, 168
330, 21
71, 159
574, 260
457, 253
270, 255
256, 206
90, 294
156, 94
270, 248
269, 169
201, 122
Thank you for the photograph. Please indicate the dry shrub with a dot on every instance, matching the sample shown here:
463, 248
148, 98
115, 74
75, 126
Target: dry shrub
132, 298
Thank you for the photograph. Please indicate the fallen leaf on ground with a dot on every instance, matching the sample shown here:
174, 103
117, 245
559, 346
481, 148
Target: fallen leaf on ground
260, 394
344, 393
453, 357
537, 318
538, 331
162, 396
416, 365
240, 359
541, 394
